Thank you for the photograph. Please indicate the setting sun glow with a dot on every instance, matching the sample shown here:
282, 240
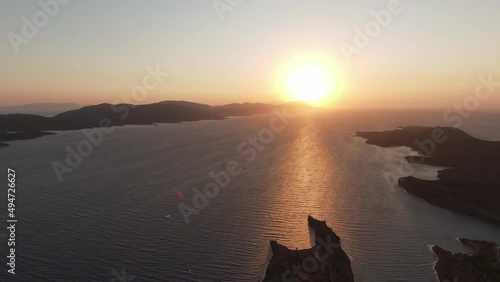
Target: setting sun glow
310, 83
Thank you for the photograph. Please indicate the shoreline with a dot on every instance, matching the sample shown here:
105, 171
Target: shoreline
481, 264
38, 134
469, 183
16, 136
25, 126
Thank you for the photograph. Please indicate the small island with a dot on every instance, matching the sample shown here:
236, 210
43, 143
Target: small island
471, 182
324, 262
482, 265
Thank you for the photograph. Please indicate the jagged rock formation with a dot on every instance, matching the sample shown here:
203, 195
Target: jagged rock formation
324, 262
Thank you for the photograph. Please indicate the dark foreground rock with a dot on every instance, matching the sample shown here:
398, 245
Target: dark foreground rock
324, 262
483, 265
470, 184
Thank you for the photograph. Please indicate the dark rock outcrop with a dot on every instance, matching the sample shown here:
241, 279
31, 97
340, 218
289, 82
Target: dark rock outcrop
483, 265
324, 262
470, 185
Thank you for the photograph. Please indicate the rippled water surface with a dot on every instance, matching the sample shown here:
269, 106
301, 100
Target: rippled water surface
117, 213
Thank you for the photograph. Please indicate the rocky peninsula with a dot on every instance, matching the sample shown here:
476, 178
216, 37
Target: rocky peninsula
324, 262
471, 182
482, 265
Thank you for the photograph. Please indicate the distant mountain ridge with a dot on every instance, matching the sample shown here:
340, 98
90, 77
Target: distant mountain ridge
103, 115
42, 109
244, 109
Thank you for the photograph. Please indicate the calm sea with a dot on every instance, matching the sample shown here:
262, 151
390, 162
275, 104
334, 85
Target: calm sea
116, 216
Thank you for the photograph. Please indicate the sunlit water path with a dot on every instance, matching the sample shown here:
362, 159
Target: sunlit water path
119, 209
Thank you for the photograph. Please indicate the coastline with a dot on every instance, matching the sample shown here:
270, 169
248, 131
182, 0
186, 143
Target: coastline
482, 264
26, 126
12, 136
470, 183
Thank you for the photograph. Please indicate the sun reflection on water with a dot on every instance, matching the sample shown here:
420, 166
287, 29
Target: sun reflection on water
306, 171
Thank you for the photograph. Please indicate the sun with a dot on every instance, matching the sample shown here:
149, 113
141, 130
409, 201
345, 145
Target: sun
311, 83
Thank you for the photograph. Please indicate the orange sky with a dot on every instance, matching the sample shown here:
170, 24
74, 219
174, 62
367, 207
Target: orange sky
428, 54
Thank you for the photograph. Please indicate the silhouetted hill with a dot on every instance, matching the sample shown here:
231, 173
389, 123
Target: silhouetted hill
245, 109
193, 105
123, 114
33, 123
42, 109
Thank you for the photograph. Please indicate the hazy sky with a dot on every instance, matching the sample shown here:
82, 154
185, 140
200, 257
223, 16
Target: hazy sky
429, 54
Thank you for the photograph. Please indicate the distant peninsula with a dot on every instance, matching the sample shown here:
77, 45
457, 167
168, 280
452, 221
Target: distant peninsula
21, 136
41, 109
324, 262
28, 126
471, 182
